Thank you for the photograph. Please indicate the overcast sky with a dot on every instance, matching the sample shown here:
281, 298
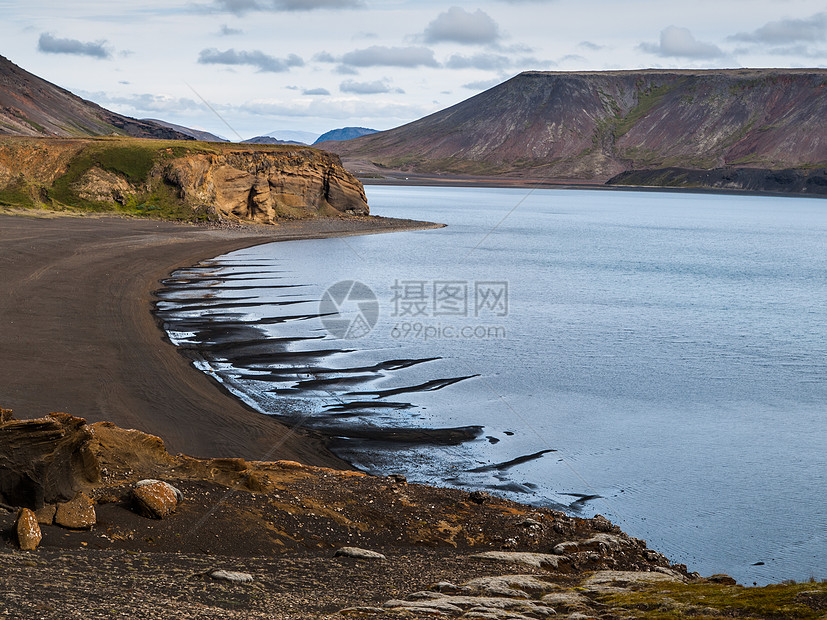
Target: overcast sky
315, 65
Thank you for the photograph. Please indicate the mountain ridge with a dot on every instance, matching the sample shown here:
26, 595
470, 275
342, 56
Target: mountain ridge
593, 126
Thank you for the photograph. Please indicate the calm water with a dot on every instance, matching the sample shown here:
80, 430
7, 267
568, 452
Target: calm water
656, 358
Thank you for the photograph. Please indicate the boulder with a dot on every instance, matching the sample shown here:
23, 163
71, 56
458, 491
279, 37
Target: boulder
146, 482
231, 576
28, 530
77, 514
155, 499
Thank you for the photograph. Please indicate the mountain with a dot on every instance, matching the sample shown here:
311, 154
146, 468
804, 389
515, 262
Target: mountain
595, 125
271, 140
31, 106
345, 133
197, 134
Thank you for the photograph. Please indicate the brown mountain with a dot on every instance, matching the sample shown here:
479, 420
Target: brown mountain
31, 106
593, 126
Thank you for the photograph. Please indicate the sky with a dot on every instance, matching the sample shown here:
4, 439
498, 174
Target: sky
244, 68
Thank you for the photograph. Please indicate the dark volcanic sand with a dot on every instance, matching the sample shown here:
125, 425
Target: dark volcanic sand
77, 334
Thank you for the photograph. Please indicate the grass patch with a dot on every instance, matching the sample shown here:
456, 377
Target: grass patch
707, 600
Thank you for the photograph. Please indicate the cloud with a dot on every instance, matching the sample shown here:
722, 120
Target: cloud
50, 44
144, 103
380, 56
368, 88
256, 58
681, 43
225, 31
239, 7
485, 62
459, 26
333, 108
811, 29
316, 91
482, 84
591, 46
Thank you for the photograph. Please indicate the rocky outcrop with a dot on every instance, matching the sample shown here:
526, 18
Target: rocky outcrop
155, 499
45, 460
266, 186
221, 182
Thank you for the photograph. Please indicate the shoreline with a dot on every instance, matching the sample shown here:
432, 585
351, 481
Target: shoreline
79, 335
424, 180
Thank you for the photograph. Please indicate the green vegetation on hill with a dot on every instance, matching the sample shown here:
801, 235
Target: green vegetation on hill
50, 174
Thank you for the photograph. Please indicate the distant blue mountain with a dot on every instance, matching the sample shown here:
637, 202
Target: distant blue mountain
345, 133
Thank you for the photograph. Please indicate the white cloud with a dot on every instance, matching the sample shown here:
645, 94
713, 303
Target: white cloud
316, 92
368, 88
460, 26
811, 29
254, 58
50, 44
479, 61
681, 43
381, 56
239, 7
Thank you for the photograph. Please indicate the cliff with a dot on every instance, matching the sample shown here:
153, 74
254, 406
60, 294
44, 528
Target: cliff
180, 180
593, 126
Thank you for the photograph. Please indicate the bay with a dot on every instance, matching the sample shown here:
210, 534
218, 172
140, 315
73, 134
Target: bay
658, 358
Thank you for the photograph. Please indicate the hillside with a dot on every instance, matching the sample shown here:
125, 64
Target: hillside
177, 180
31, 106
592, 126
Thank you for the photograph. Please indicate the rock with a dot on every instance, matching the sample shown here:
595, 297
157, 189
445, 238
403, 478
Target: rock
28, 530
156, 500
479, 497
266, 186
515, 586
359, 554
722, 579
360, 611
46, 515
599, 542
609, 581
231, 576
530, 523
178, 495
567, 601
77, 514
540, 560
45, 460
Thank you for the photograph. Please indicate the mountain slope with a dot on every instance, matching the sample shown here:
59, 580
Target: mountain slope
595, 125
31, 106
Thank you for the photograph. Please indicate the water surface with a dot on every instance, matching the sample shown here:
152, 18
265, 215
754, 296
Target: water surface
656, 358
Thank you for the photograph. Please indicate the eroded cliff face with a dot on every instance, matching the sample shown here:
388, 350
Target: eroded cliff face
265, 187
226, 182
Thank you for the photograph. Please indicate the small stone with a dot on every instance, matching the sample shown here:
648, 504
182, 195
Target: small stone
77, 514
46, 514
28, 530
231, 576
399, 478
723, 579
155, 500
359, 554
479, 497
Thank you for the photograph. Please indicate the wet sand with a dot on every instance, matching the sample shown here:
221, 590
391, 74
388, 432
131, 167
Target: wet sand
77, 333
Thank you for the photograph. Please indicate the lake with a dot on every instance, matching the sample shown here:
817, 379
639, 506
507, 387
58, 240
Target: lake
657, 358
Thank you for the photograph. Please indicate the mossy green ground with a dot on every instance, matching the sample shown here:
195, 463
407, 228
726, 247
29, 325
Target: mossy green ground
710, 600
